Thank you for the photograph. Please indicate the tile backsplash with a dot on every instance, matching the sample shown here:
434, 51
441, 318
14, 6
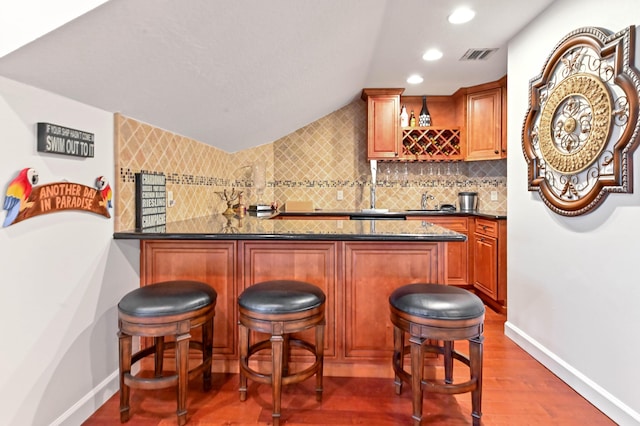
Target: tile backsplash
310, 164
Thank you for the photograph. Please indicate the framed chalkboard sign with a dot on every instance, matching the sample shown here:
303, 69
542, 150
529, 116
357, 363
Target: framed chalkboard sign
151, 202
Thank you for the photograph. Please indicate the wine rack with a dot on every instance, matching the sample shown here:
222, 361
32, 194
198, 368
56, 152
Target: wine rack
431, 143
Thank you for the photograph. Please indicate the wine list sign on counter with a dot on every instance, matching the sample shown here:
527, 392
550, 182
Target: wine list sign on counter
57, 139
151, 202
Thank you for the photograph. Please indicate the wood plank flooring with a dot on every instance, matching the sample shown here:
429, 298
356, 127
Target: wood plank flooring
518, 391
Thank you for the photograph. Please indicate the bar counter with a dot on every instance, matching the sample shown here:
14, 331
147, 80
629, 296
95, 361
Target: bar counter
250, 227
357, 264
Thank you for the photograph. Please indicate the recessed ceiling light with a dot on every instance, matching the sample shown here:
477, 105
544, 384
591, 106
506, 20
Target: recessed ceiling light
415, 79
461, 15
432, 55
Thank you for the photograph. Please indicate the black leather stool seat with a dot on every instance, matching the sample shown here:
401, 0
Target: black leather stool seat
281, 297
434, 301
167, 298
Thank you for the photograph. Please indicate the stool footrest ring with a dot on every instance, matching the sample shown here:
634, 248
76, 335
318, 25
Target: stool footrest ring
286, 379
148, 383
434, 386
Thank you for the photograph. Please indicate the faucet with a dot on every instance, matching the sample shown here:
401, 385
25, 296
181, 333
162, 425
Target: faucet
373, 196
423, 201
374, 170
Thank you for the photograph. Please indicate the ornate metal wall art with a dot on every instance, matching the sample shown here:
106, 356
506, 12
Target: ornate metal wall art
583, 124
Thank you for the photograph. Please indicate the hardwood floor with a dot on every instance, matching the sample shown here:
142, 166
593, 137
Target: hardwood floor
517, 391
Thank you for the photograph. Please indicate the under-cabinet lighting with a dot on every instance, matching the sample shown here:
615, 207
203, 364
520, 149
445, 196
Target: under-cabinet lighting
461, 15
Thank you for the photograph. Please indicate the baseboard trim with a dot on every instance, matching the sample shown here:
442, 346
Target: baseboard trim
83, 409
591, 391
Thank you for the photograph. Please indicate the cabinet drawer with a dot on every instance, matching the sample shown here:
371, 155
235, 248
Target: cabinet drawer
458, 224
487, 227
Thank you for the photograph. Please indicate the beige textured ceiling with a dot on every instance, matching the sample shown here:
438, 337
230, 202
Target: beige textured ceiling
238, 74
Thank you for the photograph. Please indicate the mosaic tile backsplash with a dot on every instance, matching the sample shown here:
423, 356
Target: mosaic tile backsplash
310, 164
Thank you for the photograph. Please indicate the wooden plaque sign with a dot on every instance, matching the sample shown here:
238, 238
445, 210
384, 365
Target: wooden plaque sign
24, 200
151, 202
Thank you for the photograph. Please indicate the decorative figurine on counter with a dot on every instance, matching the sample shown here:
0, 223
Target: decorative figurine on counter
18, 193
103, 186
229, 197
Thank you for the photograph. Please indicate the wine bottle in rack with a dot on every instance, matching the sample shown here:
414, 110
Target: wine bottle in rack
412, 119
404, 117
425, 117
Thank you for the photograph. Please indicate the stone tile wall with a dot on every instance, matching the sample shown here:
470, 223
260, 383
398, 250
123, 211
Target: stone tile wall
312, 163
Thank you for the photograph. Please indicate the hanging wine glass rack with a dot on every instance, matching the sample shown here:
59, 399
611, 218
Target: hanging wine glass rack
431, 144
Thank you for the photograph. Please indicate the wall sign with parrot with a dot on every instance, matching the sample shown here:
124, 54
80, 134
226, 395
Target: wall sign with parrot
24, 199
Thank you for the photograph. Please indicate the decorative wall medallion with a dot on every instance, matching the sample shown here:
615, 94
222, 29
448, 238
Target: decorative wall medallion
583, 124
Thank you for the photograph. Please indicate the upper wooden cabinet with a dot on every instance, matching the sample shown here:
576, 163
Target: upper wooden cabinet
468, 125
486, 122
383, 123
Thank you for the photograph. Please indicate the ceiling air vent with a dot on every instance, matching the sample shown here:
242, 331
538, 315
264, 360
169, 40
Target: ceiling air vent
477, 54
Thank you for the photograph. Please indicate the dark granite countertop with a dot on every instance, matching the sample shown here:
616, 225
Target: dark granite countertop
249, 227
398, 214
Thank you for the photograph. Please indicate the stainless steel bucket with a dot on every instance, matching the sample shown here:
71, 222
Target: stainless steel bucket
468, 201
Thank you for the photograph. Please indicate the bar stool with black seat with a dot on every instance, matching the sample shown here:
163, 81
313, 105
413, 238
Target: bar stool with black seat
435, 316
170, 308
279, 308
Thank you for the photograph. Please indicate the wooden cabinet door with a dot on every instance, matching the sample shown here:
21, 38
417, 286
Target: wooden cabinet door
485, 261
312, 262
207, 261
490, 260
456, 256
383, 123
484, 125
503, 124
372, 272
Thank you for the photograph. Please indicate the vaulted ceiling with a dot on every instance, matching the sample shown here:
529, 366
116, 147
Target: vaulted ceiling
238, 74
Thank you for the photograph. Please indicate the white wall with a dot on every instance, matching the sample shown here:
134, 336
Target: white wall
574, 289
61, 273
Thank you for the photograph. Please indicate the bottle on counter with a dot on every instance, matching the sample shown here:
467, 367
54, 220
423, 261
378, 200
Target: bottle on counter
425, 117
404, 117
412, 119
241, 209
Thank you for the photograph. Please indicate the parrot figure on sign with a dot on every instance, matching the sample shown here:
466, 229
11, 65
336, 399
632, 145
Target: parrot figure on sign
103, 186
18, 192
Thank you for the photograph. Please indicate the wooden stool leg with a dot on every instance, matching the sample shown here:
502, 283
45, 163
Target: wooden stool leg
277, 346
286, 354
207, 353
398, 356
475, 357
182, 366
320, 357
244, 353
417, 355
125, 368
448, 361
158, 367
